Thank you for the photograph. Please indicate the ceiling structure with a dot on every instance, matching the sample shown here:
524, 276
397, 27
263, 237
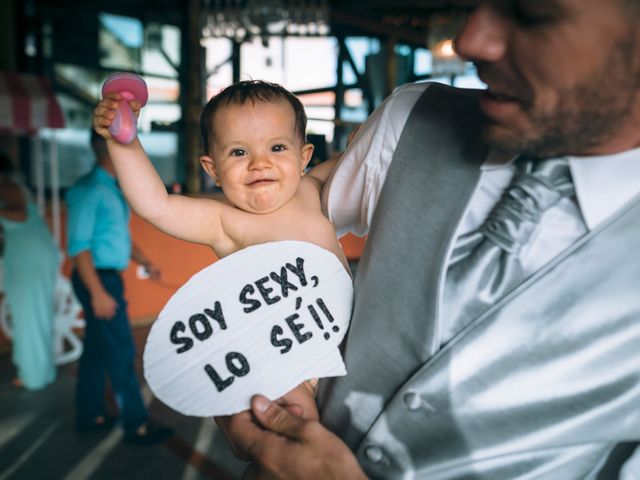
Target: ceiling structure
405, 20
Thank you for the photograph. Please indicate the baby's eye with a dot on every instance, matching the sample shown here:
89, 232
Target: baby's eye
278, 148
237, 152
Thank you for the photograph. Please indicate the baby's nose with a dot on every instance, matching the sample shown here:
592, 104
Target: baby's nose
260, 161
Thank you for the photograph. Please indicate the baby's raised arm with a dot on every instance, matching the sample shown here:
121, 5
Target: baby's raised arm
192, 219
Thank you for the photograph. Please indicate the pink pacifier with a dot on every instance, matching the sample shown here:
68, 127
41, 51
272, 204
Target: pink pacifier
131, 87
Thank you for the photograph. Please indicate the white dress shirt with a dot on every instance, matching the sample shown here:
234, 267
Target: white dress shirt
603, 184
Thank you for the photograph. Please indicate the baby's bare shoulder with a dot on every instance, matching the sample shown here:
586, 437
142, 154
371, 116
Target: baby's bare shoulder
312, 183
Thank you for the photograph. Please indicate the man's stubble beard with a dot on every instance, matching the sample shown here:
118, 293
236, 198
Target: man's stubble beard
587, 116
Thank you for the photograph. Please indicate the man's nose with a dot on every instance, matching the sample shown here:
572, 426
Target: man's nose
484, 36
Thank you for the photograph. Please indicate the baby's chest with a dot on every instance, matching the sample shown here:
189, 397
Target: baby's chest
295, 228
299, 225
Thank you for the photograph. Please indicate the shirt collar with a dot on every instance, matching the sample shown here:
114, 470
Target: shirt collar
497, 159
604, 183
104, 177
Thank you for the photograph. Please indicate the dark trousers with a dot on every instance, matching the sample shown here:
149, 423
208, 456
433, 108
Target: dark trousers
108, 349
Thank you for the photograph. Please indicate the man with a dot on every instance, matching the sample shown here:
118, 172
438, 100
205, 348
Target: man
525, 363
100, 246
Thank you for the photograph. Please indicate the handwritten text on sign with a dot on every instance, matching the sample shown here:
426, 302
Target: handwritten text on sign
259, 321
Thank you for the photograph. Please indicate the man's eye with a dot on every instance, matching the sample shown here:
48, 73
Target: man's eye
238, 152
278, 148
530, 18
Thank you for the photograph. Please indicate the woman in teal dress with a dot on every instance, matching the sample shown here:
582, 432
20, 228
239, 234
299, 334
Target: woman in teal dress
30, 269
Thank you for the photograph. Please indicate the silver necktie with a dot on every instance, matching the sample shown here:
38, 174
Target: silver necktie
485, 263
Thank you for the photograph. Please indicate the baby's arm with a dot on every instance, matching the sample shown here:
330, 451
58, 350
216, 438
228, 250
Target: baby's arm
322, 171
192, 219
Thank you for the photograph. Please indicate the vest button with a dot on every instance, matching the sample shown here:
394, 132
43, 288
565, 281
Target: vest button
374, 454
412, 400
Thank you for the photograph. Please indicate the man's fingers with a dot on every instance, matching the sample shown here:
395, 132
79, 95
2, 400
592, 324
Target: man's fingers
105, 307
106, 314
295, 410
260, 445
275, 418
228, 425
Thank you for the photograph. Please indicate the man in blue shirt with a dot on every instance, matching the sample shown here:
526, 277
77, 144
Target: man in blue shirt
99, 243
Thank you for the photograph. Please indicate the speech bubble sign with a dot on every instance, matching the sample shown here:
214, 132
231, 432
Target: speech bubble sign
261, 320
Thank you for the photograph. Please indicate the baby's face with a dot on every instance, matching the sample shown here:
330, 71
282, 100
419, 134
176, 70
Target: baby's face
258, 158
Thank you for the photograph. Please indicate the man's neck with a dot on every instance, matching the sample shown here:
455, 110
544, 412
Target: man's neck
107, 165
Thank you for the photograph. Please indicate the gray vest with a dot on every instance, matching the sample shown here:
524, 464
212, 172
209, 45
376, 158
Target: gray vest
543, 385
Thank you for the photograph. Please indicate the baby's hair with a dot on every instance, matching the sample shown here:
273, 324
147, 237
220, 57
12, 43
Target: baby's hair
249, 91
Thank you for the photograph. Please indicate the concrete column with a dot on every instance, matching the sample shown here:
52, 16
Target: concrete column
192, 84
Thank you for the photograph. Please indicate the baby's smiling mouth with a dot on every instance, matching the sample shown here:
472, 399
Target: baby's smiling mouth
260, 182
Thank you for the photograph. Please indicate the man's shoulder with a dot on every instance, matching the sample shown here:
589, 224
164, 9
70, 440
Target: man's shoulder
403, 99
85, 189
409, 92
417, 89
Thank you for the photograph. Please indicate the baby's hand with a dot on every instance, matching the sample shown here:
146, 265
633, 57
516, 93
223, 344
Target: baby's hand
105, 112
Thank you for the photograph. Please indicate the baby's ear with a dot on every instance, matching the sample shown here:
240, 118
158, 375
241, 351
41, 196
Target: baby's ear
306, 153
210, 167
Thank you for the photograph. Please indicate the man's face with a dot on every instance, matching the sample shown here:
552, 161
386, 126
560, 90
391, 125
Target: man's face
563, 75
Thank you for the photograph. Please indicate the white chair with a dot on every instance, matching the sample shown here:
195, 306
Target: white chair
67, 345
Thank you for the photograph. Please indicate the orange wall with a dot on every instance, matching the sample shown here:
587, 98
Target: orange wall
352, 246
178, 261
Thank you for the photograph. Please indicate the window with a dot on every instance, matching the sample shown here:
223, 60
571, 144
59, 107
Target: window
120, 42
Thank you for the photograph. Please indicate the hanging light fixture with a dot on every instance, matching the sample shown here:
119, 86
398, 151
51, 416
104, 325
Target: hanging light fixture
242, 20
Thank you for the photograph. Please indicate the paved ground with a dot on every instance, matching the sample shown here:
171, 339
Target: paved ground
37, 440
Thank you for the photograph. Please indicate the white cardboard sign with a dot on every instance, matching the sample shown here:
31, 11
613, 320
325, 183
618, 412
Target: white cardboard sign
261, 320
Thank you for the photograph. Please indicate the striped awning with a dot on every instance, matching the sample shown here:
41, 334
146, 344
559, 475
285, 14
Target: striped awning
27, 103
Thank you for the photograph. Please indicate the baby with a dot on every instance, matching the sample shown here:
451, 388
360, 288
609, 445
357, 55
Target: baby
256, 151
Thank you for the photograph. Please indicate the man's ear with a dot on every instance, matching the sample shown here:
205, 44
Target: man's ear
210, 167
306, 153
